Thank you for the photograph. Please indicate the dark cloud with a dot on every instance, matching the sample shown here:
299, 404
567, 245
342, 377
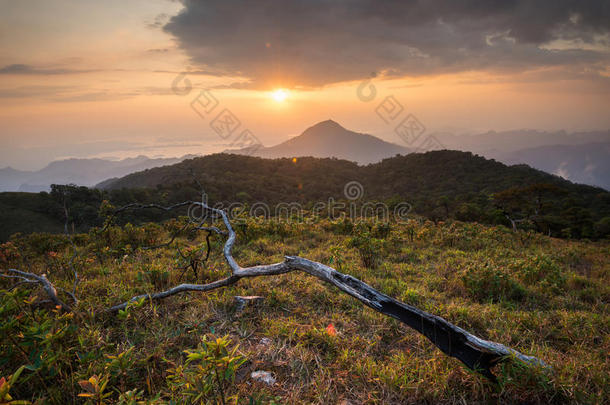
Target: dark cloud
159, 21
316, 42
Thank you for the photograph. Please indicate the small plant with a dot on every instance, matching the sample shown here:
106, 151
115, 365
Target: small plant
94, 389
382, 230
208, 371
124, 314
368, 247
5, 386
133, 397
545, 271
336, 257
119, 365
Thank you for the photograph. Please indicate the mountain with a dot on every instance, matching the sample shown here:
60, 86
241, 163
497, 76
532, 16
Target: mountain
11, 179
86, 172
329, 139
587, 163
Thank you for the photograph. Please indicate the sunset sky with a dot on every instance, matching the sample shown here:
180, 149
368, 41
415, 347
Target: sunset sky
94, 78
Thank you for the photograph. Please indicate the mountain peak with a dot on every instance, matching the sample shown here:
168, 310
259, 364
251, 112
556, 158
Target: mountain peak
329, 139
324, 127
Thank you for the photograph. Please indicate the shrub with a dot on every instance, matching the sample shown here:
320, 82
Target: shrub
207, 374
544, 271
369, 249
486, 283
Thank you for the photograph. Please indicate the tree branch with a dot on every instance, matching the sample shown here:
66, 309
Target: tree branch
47, 286
476, 353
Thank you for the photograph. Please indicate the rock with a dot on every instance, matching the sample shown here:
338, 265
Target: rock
249, 300
265, 341
263, 376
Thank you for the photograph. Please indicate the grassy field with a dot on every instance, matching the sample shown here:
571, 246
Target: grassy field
542, 296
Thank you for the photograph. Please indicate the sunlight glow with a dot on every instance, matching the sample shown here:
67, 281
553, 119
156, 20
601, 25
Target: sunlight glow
279, 95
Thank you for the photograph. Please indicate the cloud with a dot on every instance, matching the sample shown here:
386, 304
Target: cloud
69, 94
562, 171
34, 91
318, 42
159, 21
21, 69
92, 96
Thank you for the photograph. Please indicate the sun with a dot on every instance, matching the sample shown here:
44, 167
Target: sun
279, 95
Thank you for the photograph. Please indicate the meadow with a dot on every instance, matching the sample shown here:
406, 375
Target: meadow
543, 296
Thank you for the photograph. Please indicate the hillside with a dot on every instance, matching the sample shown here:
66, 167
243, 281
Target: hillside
445, 171
438, 184
329, 139
542, 296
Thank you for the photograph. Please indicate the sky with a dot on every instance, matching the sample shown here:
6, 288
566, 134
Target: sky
84, 78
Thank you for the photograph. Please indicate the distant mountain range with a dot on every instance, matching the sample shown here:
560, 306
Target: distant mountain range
329, 139
83, 172
581, 157
585, 164
512, 141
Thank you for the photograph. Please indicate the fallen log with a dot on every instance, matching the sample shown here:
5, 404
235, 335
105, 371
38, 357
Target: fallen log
477, 354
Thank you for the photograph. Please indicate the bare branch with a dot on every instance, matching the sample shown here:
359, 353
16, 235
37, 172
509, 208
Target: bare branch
47, 286
476, 353
176, 290
139, 206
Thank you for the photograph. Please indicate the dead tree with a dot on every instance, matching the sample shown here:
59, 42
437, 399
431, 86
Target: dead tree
476, 353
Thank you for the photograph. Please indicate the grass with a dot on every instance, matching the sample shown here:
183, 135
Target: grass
542, 296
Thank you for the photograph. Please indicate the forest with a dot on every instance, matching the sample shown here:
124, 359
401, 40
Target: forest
438, 185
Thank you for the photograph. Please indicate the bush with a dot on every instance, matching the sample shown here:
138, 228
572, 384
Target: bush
489, 284
208, 373
368, 247
544, 271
